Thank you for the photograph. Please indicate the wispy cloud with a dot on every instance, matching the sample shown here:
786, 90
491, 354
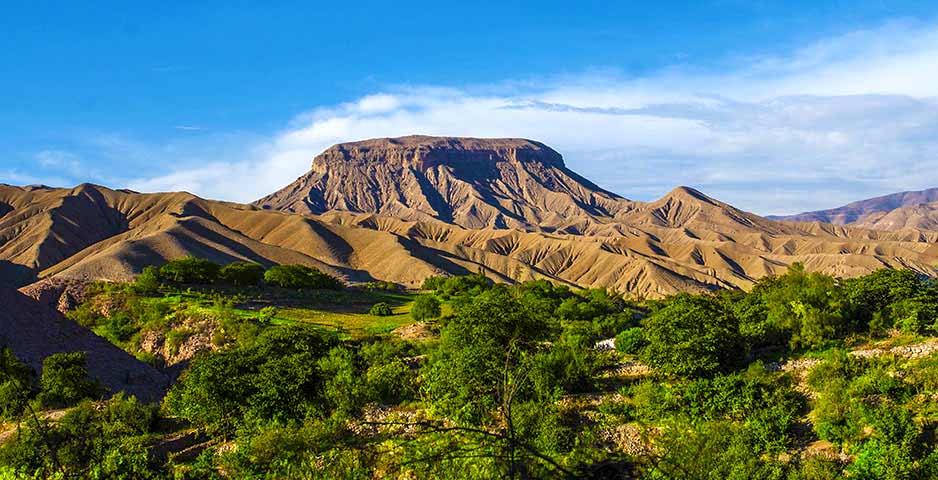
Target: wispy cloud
842, 119
189, 128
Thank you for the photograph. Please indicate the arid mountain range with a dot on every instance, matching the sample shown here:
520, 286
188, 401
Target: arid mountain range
897, 211
403, 209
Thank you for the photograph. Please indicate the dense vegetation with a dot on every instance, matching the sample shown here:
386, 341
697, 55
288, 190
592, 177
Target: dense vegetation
804, 377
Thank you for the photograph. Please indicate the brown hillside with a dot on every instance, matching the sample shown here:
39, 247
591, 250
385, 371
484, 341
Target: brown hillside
34, 331
429, 206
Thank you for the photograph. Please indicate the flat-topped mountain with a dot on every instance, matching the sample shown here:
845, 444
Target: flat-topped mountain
470, 182
684, 241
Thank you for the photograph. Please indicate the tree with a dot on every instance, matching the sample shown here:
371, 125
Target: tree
486, 338
190, 270
300, 277
692, 336
16, 379
381, 309
65, 379
242, 274
275, 379
425, 307
148, 281
630, 340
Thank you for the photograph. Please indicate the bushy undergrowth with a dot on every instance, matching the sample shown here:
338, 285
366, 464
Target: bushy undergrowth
515, 386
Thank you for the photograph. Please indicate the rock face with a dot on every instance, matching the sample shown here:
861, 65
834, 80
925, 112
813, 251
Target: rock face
33, 331
473, 183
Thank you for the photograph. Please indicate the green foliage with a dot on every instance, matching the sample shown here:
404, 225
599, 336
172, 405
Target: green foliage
425, 307
190, 270
711, 450
630, 341
381, 309
692, 336
90, 441
344, 389
450, 287
148, 282
276, 379
242, 274
300, 277
560, 370
16, 384
267, 314
65, 380
381, 285
487, 338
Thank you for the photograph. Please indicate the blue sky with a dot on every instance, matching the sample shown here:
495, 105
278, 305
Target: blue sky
775, 107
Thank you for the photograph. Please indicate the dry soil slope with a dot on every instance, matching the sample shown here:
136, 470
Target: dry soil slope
684, 241
34, 331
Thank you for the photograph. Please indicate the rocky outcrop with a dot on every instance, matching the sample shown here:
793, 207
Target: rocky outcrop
63, 294
470, 182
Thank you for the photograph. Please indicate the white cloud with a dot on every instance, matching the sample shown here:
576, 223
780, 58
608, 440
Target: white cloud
60, 160
842, 119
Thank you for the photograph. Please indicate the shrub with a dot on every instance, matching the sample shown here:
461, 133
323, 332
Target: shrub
381, 285
300, 277
381, 309
190, 270
148, 281
275, 379
242, 274
425, 307
267, 314
391, 382
432, 283
692, 336
15, 384
89, 441
65, 379
630, 341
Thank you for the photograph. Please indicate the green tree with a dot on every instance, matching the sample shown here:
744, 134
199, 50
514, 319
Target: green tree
692, 336
488, 337
148, 282
381, 309
242, 274
275, 379
811, 308
65, 380
16, 384
425, 307
300, 277
630, 340
90, 441
190, 270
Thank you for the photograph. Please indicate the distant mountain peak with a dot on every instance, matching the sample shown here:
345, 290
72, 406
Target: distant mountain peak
868, 213
471, 182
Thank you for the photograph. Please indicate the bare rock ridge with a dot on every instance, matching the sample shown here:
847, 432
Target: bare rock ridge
473, 183
875, 212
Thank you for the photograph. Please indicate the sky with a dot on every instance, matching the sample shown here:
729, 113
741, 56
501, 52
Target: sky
774, 107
